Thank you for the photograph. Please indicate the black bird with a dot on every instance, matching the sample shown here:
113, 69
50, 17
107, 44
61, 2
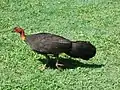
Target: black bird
46, 44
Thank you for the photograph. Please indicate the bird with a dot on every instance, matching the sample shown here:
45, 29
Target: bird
82, 49
46, 44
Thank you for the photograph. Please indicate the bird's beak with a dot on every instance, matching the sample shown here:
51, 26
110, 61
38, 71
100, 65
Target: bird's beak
12, 31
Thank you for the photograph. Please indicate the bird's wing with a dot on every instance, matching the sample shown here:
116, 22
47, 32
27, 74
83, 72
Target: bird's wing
48, 44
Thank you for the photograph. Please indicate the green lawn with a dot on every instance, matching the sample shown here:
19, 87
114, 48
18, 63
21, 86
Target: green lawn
97, 21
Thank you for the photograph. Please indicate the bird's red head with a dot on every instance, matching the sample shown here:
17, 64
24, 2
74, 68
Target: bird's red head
21, 31
18, 30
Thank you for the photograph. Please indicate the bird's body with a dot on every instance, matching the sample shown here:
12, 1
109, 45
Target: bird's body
46, 43
82, 49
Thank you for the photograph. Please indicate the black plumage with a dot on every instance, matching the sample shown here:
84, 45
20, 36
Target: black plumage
82, 49
46, 43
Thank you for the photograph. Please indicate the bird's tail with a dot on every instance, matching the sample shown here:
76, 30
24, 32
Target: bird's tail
82, 49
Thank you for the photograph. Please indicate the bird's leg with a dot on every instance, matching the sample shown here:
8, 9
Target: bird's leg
57, 62
47, 61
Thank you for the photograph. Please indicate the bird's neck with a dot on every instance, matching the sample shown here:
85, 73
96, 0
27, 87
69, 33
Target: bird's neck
22, 35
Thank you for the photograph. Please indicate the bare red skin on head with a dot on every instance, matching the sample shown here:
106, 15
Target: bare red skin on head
21, 31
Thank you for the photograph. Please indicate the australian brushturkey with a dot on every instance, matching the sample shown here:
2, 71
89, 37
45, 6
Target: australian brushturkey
82, 49
46, 43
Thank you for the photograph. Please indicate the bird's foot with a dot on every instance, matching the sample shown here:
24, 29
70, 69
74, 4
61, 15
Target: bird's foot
58, 65
42, 67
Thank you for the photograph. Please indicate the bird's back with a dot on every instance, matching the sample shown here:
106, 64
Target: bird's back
48, 43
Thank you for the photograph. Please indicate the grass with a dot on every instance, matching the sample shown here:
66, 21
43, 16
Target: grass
97, 21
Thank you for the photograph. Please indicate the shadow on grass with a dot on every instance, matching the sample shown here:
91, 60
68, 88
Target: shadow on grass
69, 64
